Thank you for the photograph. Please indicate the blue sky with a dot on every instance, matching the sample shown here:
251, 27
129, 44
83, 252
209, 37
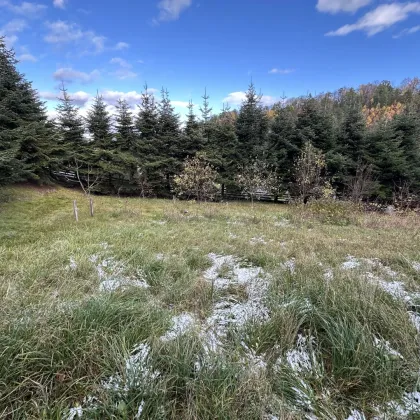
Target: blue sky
286, 46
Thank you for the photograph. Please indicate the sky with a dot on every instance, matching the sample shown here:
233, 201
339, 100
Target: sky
286, 47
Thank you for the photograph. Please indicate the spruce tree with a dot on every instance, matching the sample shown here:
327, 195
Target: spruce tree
98, 123
70, 127
124, 127
252, 126
192, 139
206, 112
26, 140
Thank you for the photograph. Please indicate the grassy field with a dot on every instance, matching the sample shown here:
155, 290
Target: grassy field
159, 309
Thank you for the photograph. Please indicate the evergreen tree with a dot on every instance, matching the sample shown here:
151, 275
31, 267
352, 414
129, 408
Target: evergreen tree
206, 111
283, 149
252, 126
26, 140
222, 150
98, 123
70, 127
124, 127
169, 139
192, 140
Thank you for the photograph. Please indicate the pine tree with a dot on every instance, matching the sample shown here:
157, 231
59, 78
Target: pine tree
252, 126
26, 140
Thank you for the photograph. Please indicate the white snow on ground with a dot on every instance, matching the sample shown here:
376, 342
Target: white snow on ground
328, 274
75, 412
258, 241
111, 285
140, 410
356, 415
386, 347
416, 266
290, 265
301, 358
351, 263
409, 405
180, 325
160, 257
137, 372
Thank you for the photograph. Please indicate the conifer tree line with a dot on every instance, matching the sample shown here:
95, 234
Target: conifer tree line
366, 136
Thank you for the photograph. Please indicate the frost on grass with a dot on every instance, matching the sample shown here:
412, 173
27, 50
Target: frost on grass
290, 266
416, 266
356, 415
350, 263
405, 409
258, 241
180, 325
137, 372
75, 412
385, 346
111, 285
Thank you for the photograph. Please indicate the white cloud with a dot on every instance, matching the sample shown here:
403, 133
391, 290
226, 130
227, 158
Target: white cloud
27, 57
111, 97
281, 71
30, 10
121, 46
171, 9
10, 29
60, 4
79, 98
336, 6
378, 20
124, 73
408, 31
180, 104
121, 62
70, 75
236, 99
61, 32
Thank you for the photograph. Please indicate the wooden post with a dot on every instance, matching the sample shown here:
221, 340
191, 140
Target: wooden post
91, 206
76, 214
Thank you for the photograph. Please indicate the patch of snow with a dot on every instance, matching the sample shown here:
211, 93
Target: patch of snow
137, 372
93, 258
290, 265
180, 325
416, 266
301, 359
409, 405
351, 263
111, 285
104, 245
140, 410
160, 257
356, 415
415, 319
73, 264
328, 275
253, 362
282, 223
386, 347
75, 412
258, 240
232, 235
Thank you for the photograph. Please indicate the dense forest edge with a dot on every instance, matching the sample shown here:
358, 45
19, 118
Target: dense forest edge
362, 144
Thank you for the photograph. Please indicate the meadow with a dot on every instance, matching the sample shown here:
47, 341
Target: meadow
160, 309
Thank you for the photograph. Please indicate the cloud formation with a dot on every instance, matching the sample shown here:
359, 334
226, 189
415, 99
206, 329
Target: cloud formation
27, 57
60, 4
383, 17
124, 71
171, 9
121, 46
407, 31
61, 32
236, 99
281, 71
336, 6
10, 29
70, 75
29, 10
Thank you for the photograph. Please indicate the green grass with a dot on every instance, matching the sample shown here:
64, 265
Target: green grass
62, 340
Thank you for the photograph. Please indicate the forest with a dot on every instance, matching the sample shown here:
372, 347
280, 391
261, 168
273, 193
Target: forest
360, 143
